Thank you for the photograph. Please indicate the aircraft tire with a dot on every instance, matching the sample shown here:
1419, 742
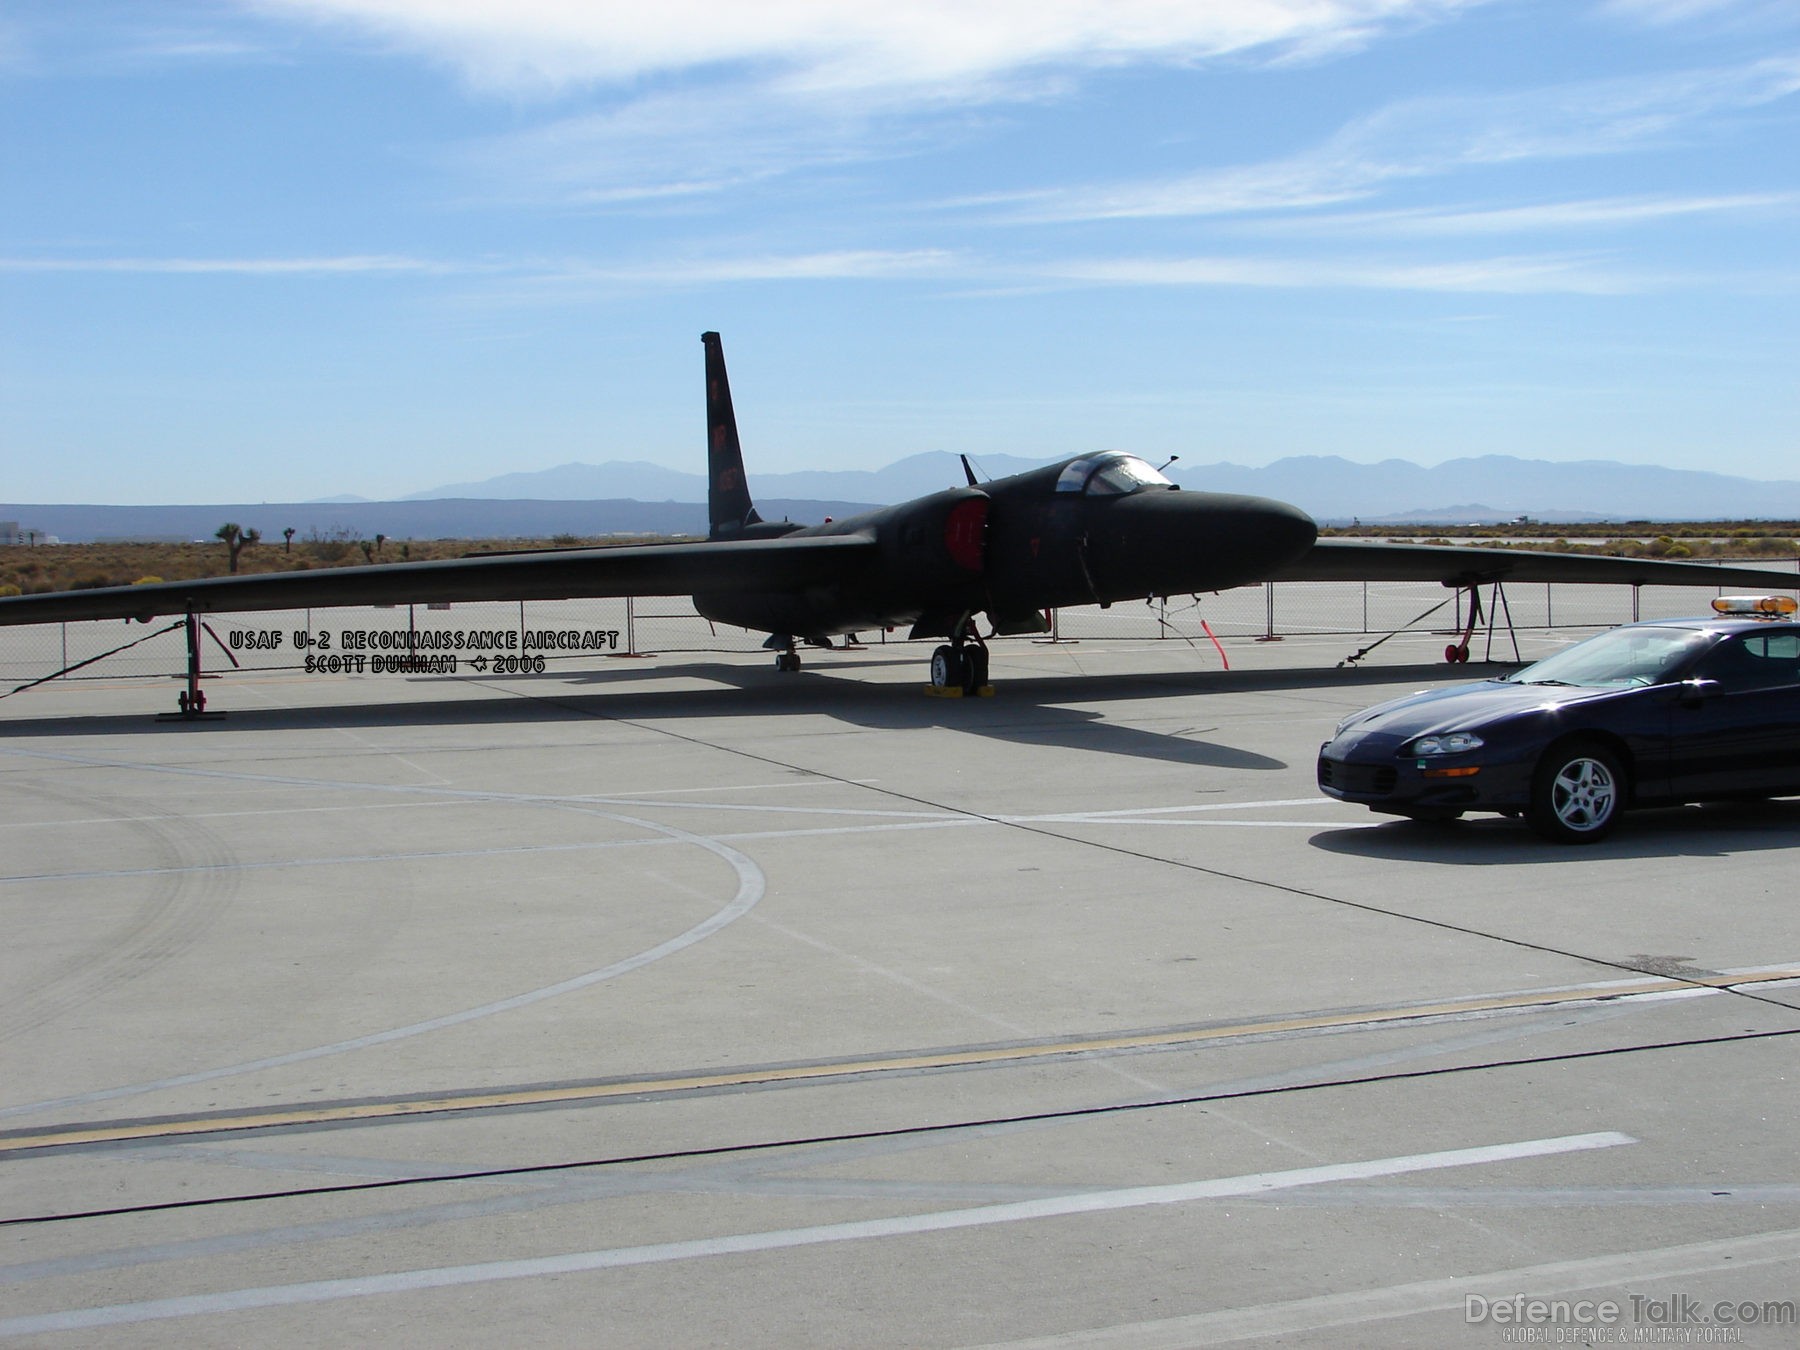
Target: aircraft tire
948, 669
976, 659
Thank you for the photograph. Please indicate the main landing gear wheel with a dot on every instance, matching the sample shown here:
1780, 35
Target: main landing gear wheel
191, 706
787, 662
1576, 794
960, 666
1456, 653
949, 669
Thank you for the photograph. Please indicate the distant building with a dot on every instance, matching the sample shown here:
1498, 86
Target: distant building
10, 533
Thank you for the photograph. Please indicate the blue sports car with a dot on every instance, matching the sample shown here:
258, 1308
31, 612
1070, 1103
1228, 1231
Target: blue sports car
1651, 714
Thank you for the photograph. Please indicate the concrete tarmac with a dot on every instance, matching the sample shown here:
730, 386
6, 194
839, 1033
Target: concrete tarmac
678, 1002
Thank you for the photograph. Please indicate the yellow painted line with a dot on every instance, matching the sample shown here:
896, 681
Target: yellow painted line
488, 1101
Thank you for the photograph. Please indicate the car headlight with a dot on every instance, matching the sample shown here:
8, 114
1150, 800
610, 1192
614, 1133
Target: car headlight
1447, 743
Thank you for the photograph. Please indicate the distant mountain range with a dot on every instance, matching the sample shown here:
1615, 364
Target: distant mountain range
911, 477
1501, 487
449, 518
1485, 489
639, 498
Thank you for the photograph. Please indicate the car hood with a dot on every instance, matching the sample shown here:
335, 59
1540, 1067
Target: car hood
1463, 707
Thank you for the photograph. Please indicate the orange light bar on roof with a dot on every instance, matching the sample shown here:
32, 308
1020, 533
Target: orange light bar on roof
1755, 604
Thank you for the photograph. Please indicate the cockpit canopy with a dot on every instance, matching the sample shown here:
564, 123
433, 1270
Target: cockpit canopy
1111, 473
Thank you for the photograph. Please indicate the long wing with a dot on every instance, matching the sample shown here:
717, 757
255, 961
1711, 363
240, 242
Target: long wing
1372, 560
727, 566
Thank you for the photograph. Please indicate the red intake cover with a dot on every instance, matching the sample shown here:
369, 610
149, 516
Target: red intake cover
964, 529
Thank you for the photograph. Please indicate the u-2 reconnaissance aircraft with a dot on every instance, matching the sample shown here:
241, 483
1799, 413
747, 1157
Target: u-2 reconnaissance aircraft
1094, 529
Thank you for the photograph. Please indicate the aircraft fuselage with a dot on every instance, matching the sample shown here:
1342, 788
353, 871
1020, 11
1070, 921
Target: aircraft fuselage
1094, 529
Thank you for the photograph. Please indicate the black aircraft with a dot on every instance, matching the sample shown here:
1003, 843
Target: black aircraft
1091, 530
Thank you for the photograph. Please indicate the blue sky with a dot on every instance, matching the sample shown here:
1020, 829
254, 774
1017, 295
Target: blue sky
284, 249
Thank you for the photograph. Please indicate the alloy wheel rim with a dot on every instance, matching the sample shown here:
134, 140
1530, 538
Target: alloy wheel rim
1584, 794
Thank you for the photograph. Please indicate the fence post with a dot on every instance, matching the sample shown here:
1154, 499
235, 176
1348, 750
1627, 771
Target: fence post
1268, 613
1055, 617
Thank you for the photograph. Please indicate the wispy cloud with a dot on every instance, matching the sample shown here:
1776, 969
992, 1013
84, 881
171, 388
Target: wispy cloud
1566, 274
843, 265
128, 41
574, 279
1432, 136
350, 264
668, 147
1559, 274
1736, 13
702, 96
921, 44
1590, 213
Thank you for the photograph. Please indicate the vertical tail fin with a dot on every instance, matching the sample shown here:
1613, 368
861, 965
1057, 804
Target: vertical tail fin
728, 504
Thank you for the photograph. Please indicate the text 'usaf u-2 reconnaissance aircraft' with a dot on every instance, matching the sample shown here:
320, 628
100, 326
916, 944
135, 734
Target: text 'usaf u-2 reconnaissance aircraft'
1094, 529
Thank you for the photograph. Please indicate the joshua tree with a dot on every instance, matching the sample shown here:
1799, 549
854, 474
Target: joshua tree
237, 539
288, 536
380, 539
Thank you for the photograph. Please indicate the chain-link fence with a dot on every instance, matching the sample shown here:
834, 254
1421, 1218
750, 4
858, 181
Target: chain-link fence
513, 635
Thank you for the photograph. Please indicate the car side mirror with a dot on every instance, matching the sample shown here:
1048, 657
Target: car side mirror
1696, 691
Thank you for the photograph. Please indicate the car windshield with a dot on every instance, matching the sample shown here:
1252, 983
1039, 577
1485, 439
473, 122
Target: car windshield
1625, 656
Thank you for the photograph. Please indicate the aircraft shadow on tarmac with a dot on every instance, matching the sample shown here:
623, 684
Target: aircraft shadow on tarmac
1713, 830
1031, 710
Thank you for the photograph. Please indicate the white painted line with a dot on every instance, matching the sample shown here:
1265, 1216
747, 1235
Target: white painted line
1092, 1202
1315, 800
1200, 824
647, 797
751, 886
1361, 1306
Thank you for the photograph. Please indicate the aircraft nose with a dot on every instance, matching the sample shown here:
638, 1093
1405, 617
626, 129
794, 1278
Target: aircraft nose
1281, 531
1254, 536
1167, 543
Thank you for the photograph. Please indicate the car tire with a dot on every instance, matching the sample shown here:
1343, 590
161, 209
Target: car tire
1577, 793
